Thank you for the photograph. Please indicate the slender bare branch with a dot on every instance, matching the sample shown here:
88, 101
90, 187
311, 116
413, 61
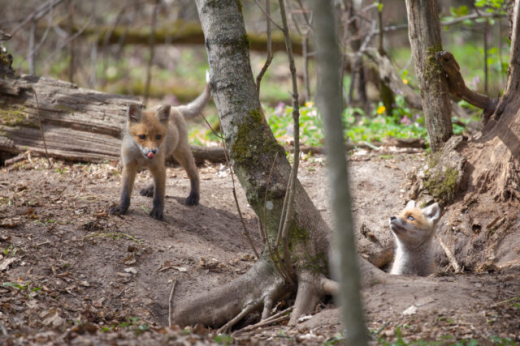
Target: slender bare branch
152, 51
36, 15
269, 58
289, 213
268, 15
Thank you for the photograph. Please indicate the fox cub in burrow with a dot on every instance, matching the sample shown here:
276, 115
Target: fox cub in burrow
151, 137
413, 231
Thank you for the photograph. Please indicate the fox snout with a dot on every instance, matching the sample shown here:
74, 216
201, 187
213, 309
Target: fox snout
149, 153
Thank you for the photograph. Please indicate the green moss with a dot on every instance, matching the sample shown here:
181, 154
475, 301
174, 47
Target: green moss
4, 59
316, 264
254, 140
244, 42
433, 68
299, 233
239, 4
64, 108
442, 184
15, 116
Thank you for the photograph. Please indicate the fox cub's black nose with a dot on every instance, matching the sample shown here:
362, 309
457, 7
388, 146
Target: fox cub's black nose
154, 151
392, 218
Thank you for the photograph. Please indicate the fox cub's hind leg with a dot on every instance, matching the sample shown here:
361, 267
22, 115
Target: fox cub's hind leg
185, 158
147, 191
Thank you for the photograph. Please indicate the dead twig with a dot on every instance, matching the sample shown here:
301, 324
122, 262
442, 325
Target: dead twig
170, 304
41, 128
276, 318
15, 159
246, 310
453, 261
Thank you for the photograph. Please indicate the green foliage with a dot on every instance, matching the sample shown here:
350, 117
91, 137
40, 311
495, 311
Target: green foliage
281, 122
491, 6
223, 339
401, 124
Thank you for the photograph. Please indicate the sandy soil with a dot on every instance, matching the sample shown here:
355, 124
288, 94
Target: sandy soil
71, 274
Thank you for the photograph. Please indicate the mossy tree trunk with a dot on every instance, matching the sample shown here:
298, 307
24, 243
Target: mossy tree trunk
482, 225
254, 152
425, 40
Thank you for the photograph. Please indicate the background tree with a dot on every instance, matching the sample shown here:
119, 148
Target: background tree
425, 40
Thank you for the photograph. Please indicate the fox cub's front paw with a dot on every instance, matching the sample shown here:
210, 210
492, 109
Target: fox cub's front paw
157, 214
193, 198
118, 210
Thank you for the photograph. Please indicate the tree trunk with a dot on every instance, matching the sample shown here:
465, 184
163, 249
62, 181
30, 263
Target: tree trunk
425, 40
482, 225
329, 103
254, 152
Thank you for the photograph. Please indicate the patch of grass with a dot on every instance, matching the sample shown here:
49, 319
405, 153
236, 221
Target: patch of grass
223, 339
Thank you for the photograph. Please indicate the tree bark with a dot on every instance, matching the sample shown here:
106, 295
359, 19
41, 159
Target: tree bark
254, 152
425, 40
329, 103
482, 224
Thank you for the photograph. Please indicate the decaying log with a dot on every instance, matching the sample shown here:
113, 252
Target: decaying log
79, 124
180, 32
457, 86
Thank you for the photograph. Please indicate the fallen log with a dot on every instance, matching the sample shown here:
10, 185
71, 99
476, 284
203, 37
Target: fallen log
181, 33
78, 124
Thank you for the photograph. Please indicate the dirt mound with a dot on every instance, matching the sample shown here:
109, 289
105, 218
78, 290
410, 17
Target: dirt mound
73, 274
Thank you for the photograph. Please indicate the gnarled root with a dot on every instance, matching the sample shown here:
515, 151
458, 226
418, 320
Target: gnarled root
259, 288
225, 304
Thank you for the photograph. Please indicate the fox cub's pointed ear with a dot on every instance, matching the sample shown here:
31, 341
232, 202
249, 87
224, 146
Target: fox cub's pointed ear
410, 204
432, 212
163, 113
134, 114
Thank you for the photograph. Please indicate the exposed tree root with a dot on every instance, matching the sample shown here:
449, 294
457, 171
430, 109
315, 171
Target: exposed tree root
329, 287
307, 297
225, 303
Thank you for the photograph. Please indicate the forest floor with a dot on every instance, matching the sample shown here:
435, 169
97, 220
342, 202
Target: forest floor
70, 274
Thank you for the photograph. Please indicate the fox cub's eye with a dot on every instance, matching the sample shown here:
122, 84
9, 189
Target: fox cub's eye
158, 137
411, 218
143, 137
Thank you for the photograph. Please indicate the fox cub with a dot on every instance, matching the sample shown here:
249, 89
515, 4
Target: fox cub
151, 137
413, 231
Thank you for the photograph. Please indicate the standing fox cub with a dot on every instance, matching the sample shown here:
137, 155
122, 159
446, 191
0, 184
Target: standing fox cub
413, 231
151, 137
